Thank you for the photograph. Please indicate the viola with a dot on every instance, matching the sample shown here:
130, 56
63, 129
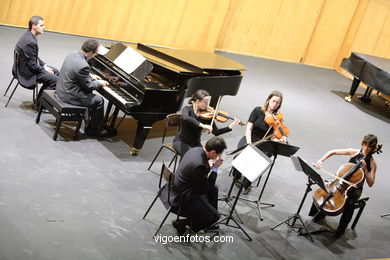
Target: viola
220, 116
276, 121
332, 201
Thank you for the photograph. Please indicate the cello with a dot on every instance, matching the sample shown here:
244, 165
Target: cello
332, 201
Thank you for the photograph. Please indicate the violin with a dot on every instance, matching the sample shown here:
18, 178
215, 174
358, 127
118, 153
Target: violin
276, 121
220, 116
332, 201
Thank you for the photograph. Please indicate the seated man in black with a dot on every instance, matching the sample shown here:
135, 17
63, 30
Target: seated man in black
195, 192
31, 68
75, 86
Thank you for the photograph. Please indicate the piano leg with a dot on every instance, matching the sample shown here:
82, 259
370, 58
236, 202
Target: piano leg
355, 84
140, 136
366, 97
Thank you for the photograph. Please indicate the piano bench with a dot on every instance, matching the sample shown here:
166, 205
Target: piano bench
61, 111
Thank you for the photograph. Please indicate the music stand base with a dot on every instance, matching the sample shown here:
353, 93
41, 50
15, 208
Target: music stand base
228, 201
225, 221
258, 204
385, 215
292, 225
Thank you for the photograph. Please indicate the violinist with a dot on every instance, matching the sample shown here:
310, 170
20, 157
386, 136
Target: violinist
192, 124
257, 128
368, 166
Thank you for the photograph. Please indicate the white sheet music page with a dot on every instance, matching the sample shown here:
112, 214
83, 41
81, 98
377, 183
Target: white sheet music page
102, 50
129, 60
251, 163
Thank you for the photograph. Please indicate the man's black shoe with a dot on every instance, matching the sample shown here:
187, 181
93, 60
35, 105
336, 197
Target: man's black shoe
180, 225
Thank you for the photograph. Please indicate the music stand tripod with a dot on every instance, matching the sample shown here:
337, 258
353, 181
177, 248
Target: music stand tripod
251, 163
385, 215
313, 178
274, 148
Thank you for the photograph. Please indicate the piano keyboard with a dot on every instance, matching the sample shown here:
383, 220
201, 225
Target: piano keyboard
120, 95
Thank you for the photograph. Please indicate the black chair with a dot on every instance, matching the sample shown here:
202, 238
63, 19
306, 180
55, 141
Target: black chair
165, 197
172, 120
61, 111
15, 68
360, 204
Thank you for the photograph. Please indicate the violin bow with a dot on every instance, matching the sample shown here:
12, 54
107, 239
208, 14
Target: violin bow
215, 111
337, 177
255, 143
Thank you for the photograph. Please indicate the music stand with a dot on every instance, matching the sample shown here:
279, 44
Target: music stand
275, 149
385, 215
251, 163
313, 178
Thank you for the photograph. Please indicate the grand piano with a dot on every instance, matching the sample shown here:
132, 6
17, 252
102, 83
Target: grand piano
158, 86
371, 70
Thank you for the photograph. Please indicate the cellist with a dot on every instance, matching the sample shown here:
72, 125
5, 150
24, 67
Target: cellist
368, 165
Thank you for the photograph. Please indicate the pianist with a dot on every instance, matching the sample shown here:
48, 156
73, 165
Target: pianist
192, 124
75, 86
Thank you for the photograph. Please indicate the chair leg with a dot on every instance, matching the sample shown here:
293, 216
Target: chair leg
35, 94
9, 85
40, 109
58, 125
151, 205
76, 133
163, 221
155, 157
358, 216
11, 94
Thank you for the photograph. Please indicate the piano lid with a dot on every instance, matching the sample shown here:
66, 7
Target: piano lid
186, 61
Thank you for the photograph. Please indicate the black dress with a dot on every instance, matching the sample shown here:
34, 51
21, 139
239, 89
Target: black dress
353, 196
190, 131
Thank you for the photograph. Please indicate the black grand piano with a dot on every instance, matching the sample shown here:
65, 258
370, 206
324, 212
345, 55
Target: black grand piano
371, 70
158, 86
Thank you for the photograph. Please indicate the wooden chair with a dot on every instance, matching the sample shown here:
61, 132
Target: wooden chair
172, 120
34, 88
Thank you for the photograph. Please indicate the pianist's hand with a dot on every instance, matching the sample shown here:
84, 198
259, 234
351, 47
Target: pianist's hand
103, 83
95, 77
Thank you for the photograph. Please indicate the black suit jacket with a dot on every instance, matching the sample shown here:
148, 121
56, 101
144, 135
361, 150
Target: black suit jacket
74, 84
193, 177
29, 63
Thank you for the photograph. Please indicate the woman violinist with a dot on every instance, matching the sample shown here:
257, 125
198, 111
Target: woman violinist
368, 166
257, 128
192, 123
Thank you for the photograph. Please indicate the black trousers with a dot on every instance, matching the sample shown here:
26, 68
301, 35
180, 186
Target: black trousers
95, 115
48, 80
349, 208
202, 210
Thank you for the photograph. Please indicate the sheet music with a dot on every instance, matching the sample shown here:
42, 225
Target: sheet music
129, 60
251, 163
102, 50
